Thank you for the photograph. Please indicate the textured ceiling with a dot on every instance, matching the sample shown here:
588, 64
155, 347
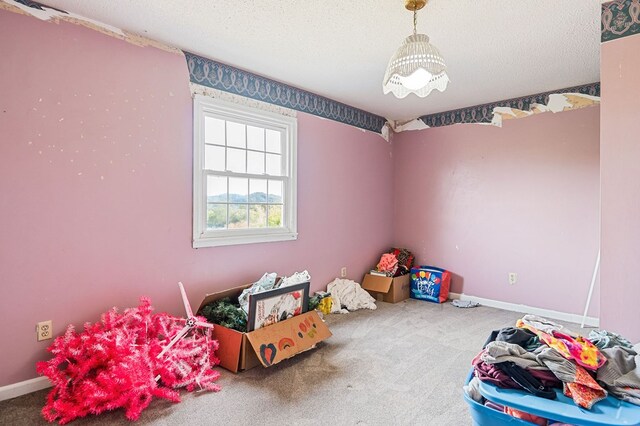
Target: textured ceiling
494, 49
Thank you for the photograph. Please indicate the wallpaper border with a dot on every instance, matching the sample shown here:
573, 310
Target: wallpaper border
620, 18
210, 73
484, 113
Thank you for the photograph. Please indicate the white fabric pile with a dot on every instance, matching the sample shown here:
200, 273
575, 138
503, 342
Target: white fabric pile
269, 281
296, 278
349, 294
265, 283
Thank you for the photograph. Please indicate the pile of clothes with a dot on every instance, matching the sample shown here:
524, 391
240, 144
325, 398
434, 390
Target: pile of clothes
396, 262
538, 355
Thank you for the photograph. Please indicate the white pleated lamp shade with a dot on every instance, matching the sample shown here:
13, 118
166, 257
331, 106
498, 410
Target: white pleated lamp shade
416, 67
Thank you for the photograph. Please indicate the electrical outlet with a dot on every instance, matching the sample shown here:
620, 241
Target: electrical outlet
44, 330
513, 278
343, 272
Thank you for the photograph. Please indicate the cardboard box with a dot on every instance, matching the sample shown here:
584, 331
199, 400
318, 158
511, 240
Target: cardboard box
387, 289
268, 345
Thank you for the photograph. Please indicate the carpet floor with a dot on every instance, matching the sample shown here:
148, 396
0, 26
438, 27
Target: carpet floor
402, 364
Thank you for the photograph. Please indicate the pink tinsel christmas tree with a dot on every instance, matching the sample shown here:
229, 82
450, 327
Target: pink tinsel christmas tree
115, 363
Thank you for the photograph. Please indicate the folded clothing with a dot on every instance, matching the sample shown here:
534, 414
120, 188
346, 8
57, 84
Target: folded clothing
606, 339
621, 373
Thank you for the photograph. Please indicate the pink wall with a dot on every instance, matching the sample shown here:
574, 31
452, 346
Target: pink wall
482, 201
96, 189
619, 155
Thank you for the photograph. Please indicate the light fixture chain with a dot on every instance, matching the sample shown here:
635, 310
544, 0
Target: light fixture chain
415, 21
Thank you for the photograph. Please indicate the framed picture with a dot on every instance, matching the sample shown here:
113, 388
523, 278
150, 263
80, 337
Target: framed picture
269, 307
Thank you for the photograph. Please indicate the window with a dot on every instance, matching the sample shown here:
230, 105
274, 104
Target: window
244, 175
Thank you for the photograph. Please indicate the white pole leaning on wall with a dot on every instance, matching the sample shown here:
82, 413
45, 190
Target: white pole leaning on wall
593, 282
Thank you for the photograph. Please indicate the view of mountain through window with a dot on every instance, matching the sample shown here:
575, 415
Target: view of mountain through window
243, 202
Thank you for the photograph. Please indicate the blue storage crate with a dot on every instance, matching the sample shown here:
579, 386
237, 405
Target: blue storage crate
608, 412
485, 416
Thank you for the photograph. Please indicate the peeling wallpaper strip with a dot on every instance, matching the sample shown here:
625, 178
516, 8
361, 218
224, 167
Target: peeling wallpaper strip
485, 113
558, 102
207, 72
215, 75
46, 13
620, 18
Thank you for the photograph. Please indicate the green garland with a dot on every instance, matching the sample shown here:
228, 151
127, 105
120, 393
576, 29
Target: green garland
226, 313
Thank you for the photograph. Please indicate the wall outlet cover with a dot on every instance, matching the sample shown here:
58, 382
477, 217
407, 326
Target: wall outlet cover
44, 330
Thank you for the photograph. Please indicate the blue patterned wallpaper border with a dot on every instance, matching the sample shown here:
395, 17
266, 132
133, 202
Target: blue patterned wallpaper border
620, 18
484, 113
219, 76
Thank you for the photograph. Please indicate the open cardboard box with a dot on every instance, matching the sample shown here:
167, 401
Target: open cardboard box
268, 345
388, 289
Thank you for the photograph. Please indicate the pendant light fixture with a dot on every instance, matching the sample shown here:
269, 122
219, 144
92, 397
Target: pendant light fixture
417, 66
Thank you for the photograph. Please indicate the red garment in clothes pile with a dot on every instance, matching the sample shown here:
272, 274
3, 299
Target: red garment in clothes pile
405, 260
396, 262
388, 263
531, 418
492, 374
584, 390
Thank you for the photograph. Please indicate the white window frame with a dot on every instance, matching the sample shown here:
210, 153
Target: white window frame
204, 106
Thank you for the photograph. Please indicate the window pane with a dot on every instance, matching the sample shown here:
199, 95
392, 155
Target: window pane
255, 138
213, 131
214, 157
274, 164
238, 216
236, 160
216, 216
255, 162
257, 191
275, 216
274, 139
216, 189
238, 190
257, 215
275, 191
236, 135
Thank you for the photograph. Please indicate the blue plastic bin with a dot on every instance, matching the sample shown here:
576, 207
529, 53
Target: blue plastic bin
609, 412
485, 416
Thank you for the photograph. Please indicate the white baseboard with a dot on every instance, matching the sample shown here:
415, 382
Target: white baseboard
515, 307
32, 385
23, 388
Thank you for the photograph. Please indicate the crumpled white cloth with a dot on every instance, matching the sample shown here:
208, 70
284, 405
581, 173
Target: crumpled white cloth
349, 294
473, 390
546, 325
296, 278
265, 283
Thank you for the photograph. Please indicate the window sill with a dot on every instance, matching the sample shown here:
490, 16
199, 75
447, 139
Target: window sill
230, 240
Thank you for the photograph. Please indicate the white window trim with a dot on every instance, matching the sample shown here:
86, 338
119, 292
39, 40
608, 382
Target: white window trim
203, 106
